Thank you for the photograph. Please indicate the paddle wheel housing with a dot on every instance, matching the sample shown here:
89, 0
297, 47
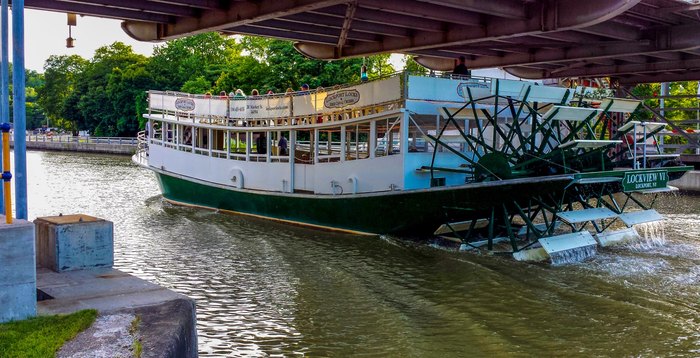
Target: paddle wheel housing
528, 132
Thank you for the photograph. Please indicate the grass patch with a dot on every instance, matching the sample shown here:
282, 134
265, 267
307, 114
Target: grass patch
137, 347
42, 336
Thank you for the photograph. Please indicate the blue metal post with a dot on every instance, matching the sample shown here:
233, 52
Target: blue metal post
5, 86
18, 108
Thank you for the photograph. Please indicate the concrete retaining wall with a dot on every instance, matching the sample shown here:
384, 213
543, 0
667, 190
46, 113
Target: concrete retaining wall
169, 329
690, 181
17, 270
123, 149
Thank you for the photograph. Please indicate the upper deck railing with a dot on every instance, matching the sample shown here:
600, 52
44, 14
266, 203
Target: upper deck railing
322, 103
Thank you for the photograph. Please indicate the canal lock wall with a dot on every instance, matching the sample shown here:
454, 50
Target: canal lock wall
104, 148
689, 182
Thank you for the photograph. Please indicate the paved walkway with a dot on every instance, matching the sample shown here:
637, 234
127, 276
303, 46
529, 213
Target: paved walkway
102, 289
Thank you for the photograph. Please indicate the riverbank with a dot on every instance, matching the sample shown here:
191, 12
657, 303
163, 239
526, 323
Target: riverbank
104, 145
62, 265
132, 313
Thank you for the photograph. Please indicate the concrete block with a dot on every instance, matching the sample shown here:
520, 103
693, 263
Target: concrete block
74, 242
17, 270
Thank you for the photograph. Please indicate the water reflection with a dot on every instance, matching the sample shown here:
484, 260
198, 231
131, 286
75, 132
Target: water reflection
266, 289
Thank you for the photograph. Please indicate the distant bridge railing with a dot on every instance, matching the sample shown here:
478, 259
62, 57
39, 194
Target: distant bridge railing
86, 140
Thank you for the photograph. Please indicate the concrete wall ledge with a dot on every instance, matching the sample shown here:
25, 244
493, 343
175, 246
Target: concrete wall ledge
689, 182
168, 319
168, 329
121, 149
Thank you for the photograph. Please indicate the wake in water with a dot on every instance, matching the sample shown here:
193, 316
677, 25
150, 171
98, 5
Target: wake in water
574, 255
651, 235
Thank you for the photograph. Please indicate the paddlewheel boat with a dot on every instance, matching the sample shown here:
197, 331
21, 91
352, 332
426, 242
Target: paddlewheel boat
495, 165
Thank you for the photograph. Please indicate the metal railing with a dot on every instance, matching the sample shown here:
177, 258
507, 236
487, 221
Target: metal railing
83, 140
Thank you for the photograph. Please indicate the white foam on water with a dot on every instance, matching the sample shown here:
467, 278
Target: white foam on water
574, 255
651, 235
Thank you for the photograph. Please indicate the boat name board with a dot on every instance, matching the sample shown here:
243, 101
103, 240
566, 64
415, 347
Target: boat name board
645, 180
472, 85
342, 99
272, 107
363, 95
185, 104
447, 89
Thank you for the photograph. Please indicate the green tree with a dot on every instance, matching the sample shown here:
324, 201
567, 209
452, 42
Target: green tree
244, 73
94, 103
287, 68
127, 90
60, 73
411, 66
197, 85
181, 60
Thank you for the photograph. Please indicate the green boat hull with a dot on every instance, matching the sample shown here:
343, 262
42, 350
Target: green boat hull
414, 212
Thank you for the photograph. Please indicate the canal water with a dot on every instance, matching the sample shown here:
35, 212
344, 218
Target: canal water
267, 289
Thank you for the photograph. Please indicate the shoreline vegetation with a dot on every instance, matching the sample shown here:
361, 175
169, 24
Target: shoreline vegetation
42, 336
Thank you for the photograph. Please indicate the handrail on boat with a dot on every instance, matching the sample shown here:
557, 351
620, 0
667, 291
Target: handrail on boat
332, 104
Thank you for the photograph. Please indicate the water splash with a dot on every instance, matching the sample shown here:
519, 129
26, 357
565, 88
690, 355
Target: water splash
573, 255
651, 235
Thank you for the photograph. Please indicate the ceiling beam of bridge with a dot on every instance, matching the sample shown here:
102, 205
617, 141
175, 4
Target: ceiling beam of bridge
659, 77
425, 11
99, 11
238, 14
346, 27
536, 37
357, 25
412, 21
200, 4
558, 16
509, 9
142, 6
585, 70
678, 38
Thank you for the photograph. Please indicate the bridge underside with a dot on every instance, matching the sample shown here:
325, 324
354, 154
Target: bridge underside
633, 40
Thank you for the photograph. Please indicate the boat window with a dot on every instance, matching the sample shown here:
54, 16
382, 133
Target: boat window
420, 127
356, 141
202, 141
218, 143
279, 152
168, 134
329, 145
237, 145
185, 138
388, 137
259, 148
303, 152
157, 130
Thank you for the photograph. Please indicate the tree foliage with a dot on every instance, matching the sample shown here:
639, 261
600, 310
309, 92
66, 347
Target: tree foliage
107, 94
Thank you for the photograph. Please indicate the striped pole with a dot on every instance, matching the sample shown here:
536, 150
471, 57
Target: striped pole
6, 175
4, 78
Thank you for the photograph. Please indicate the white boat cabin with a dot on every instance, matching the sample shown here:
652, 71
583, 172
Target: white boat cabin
366, 138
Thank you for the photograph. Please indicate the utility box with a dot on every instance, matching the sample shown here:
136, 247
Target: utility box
74, 242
